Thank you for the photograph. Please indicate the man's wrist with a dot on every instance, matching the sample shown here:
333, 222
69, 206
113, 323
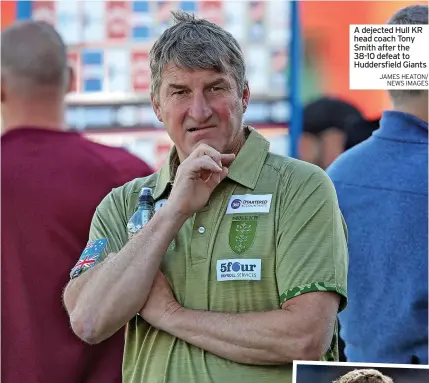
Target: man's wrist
174, 319
174, 213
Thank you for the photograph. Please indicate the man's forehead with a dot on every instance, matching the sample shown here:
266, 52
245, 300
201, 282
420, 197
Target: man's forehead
173, 74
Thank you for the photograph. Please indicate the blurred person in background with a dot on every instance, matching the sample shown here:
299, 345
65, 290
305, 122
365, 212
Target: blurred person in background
326, 122
364, 376
330, 127
382, 186
52, 182
195, 312
360, 130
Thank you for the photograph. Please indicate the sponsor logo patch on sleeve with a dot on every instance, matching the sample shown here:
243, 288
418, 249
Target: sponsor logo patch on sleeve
89, 257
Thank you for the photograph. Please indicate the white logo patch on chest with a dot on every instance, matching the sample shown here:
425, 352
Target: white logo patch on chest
249, 203
238, 270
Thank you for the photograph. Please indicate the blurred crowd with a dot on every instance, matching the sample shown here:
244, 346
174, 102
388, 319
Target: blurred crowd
330, 127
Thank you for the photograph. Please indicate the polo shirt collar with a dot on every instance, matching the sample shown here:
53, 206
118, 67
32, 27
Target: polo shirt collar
400, 126
166, 174
245, 169
248, 164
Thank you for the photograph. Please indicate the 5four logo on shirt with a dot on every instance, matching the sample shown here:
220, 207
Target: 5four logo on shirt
238, 269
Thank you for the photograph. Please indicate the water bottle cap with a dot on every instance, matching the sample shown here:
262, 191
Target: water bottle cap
146, 192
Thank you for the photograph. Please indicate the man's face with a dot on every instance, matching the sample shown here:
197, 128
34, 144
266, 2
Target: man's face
200, 106
324, 149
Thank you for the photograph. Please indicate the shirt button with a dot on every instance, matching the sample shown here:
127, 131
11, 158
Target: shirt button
201, 229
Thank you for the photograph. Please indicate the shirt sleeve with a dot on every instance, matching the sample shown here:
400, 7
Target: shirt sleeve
108, 234
312, 238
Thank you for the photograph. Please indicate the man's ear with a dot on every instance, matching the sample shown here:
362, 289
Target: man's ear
245, 96
71, 79
156, 107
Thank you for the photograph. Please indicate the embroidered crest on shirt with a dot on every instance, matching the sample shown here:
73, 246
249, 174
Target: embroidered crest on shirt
89, 257
242, 233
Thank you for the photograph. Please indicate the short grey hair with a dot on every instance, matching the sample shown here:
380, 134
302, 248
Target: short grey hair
33, 52
193, 43
412, 14
364, 376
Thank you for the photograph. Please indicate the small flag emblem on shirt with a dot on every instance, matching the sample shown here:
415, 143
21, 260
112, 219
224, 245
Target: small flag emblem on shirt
89, 257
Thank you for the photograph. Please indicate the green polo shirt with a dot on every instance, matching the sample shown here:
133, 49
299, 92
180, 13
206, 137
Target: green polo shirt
271, 230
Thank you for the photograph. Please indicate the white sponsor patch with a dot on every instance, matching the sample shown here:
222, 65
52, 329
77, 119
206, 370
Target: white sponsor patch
159, 204
238, 270
249, 203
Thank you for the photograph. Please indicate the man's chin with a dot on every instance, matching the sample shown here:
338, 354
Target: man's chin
209, 142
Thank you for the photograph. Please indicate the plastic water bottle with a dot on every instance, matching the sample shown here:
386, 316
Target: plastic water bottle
145, 211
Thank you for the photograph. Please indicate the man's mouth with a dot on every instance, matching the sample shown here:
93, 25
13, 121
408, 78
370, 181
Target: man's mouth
200, 128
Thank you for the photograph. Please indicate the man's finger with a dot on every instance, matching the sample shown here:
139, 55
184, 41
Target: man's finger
203, 150
226, 159
217, 178
203, 164
224, 173
206, 151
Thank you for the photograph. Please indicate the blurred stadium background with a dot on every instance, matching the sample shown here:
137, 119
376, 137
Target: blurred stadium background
109, 43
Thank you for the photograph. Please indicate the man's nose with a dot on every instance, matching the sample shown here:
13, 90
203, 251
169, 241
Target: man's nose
200, 110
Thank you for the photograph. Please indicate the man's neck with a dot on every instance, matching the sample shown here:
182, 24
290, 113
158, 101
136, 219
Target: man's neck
239, 141
34, 114
415, 107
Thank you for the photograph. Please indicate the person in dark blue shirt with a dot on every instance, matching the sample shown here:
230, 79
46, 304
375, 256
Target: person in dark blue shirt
382, 187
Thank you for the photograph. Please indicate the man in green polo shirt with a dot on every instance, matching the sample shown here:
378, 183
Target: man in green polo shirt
258, 269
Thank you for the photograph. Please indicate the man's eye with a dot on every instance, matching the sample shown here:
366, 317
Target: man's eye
215, 88
180, 92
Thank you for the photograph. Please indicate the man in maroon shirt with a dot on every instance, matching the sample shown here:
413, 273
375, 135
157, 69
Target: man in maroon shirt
51, 183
